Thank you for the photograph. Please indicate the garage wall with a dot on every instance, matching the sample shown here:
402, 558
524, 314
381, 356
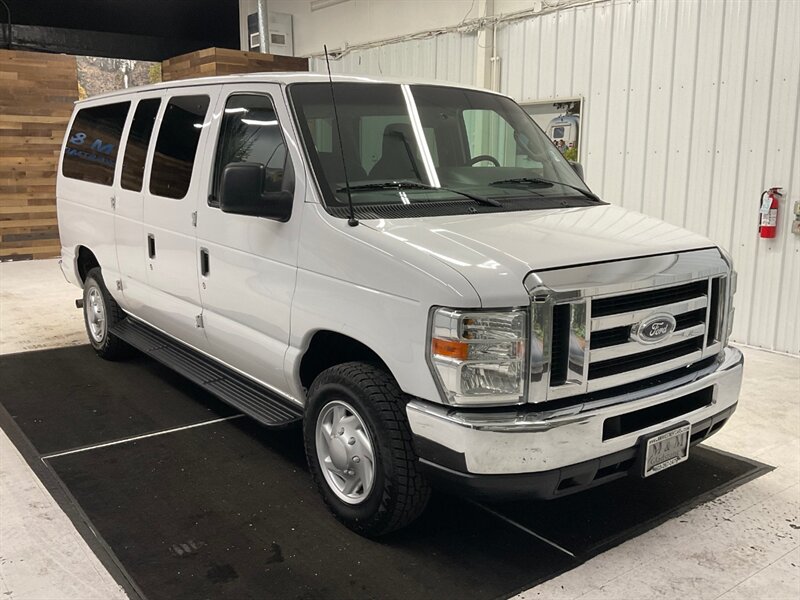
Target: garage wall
691, 111
448, 57
358, 21
37, 92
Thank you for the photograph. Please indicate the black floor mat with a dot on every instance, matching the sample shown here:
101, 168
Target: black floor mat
69, 397
228, 510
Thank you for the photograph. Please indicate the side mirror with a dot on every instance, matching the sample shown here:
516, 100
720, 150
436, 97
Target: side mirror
242, 192
577, 167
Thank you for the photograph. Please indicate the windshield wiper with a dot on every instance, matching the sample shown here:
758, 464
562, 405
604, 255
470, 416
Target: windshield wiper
412, 185
540, 180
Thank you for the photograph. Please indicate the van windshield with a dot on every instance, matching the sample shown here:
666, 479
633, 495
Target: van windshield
415, 144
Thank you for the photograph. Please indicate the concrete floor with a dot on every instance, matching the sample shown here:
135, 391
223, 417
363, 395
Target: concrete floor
745, 544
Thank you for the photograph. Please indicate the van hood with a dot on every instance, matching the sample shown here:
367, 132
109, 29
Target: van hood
495, 251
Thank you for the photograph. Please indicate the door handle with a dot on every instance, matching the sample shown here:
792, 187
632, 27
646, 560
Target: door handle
151, 245
204, 262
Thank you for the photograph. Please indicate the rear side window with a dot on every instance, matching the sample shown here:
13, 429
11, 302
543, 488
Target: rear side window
138, 140
176, 146
91, 150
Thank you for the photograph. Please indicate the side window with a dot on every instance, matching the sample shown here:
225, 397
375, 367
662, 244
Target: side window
91, 150
250, 133
176, 146
138, 140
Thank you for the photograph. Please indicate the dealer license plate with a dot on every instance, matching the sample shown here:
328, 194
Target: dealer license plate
666, 449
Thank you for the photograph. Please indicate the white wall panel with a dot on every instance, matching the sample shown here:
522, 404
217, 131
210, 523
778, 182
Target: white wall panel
564, 54
595, 91
690, 111
447, 57
705, 115
618, 92
752, 155
682, 143
656, 152
634, 182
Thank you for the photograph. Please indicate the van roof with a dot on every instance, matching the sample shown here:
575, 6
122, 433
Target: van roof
279, 78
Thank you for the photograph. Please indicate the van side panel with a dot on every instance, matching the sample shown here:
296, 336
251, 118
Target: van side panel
128, 226
171, 194
354, 281
247, 291
85, 209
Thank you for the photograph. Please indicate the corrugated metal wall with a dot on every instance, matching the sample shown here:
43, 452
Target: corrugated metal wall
691, 109
448, 57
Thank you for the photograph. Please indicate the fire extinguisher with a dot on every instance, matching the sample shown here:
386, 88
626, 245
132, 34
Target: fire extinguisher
768, 212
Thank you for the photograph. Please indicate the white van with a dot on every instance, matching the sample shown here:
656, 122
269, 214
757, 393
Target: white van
384, 270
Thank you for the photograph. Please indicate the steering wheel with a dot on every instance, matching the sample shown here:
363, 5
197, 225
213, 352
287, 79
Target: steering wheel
482, 157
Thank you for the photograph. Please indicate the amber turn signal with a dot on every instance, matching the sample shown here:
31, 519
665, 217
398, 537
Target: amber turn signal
450, 349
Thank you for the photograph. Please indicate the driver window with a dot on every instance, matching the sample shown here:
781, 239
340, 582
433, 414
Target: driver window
250, 132
490, 135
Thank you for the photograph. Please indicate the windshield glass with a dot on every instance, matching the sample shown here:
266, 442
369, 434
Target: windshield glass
424, 143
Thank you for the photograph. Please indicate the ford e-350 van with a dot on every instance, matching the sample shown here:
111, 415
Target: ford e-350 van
412, 270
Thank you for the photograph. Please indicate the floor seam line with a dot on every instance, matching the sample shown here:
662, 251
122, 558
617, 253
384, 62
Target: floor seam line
134, 438
756, 573
523, 528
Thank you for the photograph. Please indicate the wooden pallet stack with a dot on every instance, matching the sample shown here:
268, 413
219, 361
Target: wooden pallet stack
221, 61
36, 95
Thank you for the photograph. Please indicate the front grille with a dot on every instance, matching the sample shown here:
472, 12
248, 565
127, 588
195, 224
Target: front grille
602, 353
648, 299
560, 346
620, 335
630, 362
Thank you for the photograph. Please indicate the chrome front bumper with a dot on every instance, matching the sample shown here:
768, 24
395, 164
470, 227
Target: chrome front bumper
522, 440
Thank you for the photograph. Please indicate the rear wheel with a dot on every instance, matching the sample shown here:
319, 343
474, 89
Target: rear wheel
359, 449
100, 314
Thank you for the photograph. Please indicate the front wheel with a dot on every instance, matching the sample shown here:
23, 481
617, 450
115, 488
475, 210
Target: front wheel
359, 450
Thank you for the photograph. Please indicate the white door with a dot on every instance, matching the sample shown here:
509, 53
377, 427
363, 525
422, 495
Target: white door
249, 278
129, 194
171, 197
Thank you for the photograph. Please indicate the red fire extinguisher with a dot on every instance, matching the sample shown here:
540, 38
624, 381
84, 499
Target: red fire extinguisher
768, 212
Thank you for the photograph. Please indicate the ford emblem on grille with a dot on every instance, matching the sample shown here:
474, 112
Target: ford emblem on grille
654, 329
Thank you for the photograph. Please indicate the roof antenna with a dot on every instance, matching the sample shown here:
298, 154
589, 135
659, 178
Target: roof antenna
352, 221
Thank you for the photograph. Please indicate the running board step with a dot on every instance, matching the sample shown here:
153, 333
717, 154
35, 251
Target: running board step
226, 384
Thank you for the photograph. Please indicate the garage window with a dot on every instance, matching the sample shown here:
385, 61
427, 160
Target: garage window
138, 140
92, 145
176, 146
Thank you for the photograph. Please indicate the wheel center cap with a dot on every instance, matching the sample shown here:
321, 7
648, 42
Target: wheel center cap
339, 452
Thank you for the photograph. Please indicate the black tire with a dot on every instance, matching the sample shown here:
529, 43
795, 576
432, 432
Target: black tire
399, 491
106, 344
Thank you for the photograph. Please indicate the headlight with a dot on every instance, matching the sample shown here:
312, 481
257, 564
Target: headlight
478, 357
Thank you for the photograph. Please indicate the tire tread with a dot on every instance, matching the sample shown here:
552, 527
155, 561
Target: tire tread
406, 491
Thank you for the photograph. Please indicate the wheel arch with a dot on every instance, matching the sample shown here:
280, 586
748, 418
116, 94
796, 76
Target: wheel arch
328, 348
85, 261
